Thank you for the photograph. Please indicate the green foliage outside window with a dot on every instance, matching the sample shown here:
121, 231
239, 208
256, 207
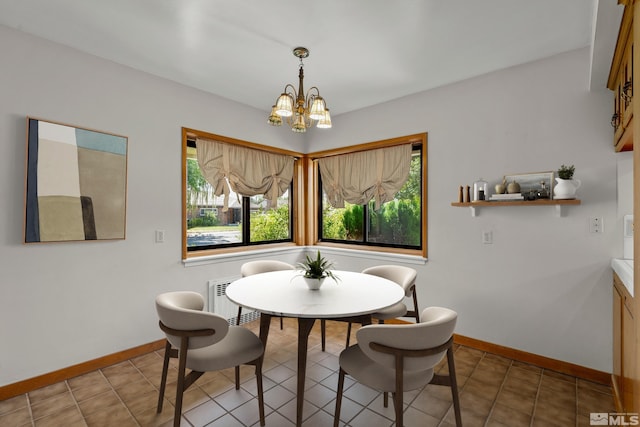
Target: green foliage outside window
332, 223
208, 220
353, 224
397, 222
270, 224
197, 186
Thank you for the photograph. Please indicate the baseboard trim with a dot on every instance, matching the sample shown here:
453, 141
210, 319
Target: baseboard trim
21, 387
537, 360
34, 383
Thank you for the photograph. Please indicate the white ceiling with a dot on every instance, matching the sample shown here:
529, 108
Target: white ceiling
362, 52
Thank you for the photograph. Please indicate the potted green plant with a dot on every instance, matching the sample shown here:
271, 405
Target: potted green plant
315, 270
566, 186
566, 172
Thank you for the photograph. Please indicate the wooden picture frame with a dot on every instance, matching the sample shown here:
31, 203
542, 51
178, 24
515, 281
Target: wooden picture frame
75, 183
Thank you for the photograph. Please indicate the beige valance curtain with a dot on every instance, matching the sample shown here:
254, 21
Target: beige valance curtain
359, 177
248, 171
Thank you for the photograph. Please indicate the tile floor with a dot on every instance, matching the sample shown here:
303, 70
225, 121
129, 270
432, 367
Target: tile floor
494, 391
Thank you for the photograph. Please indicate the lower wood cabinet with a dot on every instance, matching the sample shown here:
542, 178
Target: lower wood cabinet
624, 348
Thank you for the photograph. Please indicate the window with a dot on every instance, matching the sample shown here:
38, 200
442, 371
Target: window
398, 225
213, 222
299, 213
208, 211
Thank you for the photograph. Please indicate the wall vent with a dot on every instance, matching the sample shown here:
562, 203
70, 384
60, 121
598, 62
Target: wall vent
222, 306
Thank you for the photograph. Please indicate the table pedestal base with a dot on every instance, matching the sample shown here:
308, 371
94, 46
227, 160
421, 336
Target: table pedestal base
305, 325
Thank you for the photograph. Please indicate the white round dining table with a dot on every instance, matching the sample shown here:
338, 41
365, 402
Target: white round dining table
284, 293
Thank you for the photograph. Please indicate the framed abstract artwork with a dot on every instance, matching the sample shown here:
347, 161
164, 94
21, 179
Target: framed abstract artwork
76, 184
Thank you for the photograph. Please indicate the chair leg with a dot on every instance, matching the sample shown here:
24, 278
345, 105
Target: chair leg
238, 367
415, 305
163, 378
385, 395
348, 334
182, 366
454, 386
336, 415
260, 389
397, 404
237, 377
323, 333
281, 324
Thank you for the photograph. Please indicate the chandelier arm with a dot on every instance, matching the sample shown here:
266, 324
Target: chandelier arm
293, 92
313, 88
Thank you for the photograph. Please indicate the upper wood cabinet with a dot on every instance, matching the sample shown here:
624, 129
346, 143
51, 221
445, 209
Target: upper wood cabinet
621, 83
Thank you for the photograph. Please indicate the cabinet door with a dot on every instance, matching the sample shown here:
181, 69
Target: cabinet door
628, 359
617, 345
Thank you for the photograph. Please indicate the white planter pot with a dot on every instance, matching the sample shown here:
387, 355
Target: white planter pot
566, 188
313, 284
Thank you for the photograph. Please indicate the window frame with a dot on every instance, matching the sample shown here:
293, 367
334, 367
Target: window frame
295, 196
316, 217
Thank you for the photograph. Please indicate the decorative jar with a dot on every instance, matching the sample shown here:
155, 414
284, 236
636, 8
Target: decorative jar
480, 190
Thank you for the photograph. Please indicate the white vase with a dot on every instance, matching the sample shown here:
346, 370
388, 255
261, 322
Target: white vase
566, 188
313, 283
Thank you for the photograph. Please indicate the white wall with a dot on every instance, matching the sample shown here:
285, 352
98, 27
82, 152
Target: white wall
66, 303
543, 286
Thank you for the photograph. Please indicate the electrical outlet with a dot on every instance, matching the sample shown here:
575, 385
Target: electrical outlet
159, 236
487, 237
596, 225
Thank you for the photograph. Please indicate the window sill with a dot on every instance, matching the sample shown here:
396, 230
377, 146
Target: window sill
245, 253
238, 253
383, 254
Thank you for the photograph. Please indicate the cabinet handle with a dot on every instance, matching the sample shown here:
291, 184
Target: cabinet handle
615, 121
626, 92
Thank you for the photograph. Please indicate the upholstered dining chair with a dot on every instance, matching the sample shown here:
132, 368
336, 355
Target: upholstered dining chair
405, 277
398, 358
262, 266
203, 342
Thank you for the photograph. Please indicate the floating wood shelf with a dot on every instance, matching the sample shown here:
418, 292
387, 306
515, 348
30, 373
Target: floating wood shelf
486, 204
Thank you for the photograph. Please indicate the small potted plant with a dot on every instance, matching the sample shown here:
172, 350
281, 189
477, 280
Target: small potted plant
315, 270
566, 186
566, 172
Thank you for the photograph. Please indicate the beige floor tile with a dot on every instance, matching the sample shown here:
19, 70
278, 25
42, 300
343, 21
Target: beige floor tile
118, 416
13, 404
18, 417
101, 402
68, 417
510, 416
45, 393
52, 405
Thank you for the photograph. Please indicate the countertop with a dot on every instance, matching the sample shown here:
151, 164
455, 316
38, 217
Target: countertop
624, 270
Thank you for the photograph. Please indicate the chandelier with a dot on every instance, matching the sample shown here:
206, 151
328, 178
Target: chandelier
298, 110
